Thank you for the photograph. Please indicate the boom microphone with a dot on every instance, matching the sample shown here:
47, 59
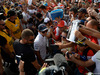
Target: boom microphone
60, 60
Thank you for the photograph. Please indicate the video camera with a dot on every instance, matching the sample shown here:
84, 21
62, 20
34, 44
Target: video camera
60, 66
19, 14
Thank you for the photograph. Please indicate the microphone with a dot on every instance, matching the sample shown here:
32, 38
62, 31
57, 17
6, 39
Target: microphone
60, 60
62, 63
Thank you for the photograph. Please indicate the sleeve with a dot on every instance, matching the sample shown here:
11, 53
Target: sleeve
57, 33
3, 41
96, 56
93, 58
36, 46
65, 24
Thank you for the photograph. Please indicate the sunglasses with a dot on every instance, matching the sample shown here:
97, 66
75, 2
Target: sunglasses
44, 31
63, 37
3, 24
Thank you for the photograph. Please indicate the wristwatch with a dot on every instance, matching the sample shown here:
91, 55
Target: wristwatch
83, 39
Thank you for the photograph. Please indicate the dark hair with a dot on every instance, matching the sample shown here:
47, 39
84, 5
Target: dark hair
26, 33
74, 9
96, 10
42, 7
39, 15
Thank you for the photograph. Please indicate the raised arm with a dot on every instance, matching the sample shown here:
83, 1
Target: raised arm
89, 43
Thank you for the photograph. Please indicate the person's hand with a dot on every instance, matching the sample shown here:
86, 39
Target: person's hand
58, 43
79, 35
44, 65
21, 66
71, 57
77, 56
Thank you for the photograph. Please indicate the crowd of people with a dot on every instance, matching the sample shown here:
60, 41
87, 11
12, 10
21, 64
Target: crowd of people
28, 28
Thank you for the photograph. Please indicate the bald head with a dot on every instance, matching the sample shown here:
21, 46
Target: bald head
92, 24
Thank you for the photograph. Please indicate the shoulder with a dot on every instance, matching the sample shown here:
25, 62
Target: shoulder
16, 42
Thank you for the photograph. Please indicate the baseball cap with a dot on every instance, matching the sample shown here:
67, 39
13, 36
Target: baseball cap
42, 27
46, 20
83, 10
80, 43
11, 13
61, 24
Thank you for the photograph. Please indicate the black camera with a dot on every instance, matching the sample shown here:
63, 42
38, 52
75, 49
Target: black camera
68, 54
2, 17
19, 14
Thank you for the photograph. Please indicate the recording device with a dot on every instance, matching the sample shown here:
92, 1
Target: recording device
68, 54
19, 14
58, 68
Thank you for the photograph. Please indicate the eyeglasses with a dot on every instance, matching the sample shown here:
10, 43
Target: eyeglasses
3, 24
44, 31
63, 37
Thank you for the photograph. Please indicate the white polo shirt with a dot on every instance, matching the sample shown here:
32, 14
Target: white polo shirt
40, 44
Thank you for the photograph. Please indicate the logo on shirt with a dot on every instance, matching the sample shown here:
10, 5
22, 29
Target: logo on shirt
16, 25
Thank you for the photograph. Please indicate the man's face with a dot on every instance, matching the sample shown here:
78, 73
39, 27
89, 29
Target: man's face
2, 25
81, 48
14, 17
79, 15
61, 29
63, 36
44, 33
30, 40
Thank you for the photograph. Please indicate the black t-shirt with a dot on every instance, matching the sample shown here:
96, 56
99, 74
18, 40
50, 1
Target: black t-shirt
27, 55
3, 41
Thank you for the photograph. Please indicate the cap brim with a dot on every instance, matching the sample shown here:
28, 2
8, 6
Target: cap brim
44, 29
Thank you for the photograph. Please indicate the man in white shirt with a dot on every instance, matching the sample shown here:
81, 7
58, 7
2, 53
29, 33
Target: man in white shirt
40, 43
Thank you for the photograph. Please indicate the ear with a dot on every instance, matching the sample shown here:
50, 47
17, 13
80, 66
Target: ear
24, 40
